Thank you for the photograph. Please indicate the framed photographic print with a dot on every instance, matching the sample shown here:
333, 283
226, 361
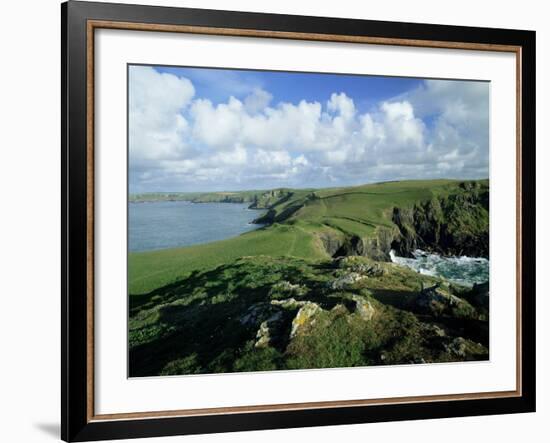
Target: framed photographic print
275, 221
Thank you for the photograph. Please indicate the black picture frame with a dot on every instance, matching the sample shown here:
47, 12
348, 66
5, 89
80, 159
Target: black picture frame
76, 422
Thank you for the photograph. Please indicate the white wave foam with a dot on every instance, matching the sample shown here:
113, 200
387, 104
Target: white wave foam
461, 270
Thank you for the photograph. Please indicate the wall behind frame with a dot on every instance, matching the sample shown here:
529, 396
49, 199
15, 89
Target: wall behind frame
30, 202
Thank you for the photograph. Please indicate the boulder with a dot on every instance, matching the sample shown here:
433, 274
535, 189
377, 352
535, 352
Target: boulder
304, 317
263, 336
288, 303
346, 281
363, 307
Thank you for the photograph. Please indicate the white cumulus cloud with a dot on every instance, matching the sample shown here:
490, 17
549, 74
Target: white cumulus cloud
182, 142
157, 126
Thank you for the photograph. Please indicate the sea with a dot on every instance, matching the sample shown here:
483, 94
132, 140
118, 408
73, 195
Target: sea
172, 224
461, 270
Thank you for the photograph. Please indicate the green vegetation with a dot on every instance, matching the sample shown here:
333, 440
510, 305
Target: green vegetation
240, 317
318, 224
197, 197
150, 270
313, 287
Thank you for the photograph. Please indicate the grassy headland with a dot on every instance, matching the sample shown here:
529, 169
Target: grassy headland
282, 297
315, 224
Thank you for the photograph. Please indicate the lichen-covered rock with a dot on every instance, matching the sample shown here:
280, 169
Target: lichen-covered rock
263, 336
304, 317
346, 281
289, 303
363, 307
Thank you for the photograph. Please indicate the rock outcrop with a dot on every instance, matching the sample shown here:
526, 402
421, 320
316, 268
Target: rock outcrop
436, 301
346, 281
304, 317
360, 265
268, 330
377, 247
363, 308
289, 303
332, 243
452, 225
270, 198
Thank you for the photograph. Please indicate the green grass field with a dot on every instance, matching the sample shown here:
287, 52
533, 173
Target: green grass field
149, 270
301, 217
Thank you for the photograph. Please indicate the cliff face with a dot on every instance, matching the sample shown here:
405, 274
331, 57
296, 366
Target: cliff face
268, 199
377, 248
457, 224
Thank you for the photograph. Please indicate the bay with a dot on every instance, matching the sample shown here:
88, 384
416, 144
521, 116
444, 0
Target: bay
172, 224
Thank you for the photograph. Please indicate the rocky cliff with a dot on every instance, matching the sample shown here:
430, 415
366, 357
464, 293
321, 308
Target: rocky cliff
457, 224
453, 224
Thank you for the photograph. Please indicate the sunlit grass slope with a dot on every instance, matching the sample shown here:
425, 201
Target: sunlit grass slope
149, 270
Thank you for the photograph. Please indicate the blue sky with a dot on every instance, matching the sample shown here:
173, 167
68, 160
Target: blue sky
197, 129
219, 84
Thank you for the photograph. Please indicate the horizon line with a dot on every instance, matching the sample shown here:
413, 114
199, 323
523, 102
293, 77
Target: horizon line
308, 188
